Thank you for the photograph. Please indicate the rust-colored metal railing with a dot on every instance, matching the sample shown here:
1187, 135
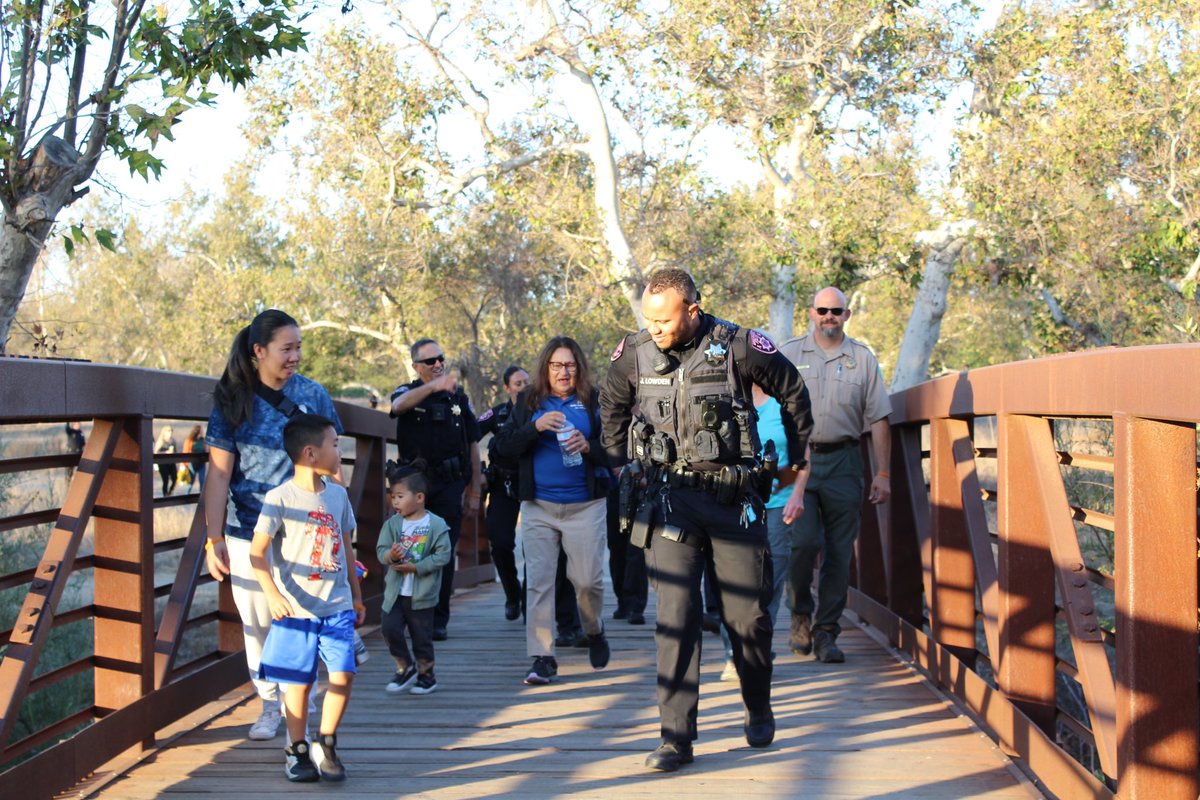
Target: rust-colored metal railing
975, 569
149, 663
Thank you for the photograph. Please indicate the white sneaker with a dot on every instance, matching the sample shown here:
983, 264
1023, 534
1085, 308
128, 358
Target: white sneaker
361, 656
267, 725
730, 671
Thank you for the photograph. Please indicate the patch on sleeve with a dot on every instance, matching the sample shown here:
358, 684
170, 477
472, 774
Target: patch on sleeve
487, 415
620, 349
400, 390
761, 342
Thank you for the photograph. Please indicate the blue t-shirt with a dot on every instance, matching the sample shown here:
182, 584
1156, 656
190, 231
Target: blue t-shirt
770, 427
260, 462
553, 481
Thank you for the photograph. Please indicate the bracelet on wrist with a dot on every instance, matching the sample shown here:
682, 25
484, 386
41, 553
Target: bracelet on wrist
360, 607
883, 473
208, 543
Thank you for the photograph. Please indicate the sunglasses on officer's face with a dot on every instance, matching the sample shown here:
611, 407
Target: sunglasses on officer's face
429, 362
822, 311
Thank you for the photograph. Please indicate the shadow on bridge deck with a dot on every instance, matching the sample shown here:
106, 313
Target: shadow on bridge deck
871, 728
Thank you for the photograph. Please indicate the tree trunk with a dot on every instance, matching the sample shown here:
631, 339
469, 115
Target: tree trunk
925, 323
593, 121
782, 310
46, 187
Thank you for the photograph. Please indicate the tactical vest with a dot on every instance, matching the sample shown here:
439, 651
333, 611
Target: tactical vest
698, 413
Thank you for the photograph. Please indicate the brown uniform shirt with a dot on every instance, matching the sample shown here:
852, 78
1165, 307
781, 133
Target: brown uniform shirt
845, 387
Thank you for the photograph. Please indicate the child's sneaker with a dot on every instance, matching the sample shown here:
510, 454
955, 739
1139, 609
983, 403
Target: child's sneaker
425, 684
298, 765
402, 680
325, 754
267, 724
361, 656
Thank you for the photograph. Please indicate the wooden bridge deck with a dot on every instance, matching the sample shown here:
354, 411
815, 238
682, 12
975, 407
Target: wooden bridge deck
872, 728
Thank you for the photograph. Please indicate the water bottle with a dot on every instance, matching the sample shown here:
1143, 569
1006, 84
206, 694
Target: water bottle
569, 459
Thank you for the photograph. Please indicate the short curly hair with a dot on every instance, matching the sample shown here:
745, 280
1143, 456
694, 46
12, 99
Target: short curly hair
676, 279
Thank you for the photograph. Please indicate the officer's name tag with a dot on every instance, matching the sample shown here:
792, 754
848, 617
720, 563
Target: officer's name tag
648, 381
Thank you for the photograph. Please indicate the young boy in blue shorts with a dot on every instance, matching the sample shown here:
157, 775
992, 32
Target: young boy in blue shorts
306, 525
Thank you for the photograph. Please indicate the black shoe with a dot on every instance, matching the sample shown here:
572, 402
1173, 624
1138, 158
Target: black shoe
621, 613
426, 684
574, 638
512, 611
598, 650
637, 618
801, 637
670, 756
826, 649
711, 622
298, 765
438, 634
325, 754
401, 681
542, 671
759, 728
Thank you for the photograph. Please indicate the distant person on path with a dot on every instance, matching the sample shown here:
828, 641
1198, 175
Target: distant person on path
504, 502
555, 435
165, 443
434, 422
848, 397
306, 528
194, 444
259, 391
75, 442
413, 546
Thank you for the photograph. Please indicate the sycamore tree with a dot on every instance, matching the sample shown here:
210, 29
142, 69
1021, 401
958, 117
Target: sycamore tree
818, 91
80, 80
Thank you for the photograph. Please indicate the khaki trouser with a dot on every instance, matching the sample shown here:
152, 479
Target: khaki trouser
579, 529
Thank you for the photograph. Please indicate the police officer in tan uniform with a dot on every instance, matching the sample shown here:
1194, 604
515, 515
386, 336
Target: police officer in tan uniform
848, 396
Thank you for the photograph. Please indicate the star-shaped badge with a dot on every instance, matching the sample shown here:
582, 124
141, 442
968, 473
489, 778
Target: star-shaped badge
715, 354
456, 410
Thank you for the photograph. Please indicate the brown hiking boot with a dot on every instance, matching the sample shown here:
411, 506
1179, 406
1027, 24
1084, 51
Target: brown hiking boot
800, 639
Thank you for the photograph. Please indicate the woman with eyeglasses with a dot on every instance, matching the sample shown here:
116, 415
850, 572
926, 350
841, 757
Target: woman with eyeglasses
555, 436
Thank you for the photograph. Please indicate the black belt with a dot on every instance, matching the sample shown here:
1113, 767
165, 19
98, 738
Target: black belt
691, 478
832, 447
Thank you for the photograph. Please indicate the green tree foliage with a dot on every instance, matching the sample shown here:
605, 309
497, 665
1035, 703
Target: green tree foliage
81, 80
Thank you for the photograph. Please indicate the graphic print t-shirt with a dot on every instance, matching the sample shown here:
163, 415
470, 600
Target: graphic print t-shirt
414, 541
307, 558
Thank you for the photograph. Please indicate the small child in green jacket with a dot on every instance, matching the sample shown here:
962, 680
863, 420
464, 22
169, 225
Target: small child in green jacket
414, 545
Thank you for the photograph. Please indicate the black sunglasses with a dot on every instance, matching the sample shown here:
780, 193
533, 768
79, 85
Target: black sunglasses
822, 311
429, 362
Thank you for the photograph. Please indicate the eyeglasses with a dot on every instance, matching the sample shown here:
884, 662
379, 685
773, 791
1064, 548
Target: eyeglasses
563, 366
429, 362
822, 311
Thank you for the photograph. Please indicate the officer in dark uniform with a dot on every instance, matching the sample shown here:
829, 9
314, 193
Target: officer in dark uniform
504, 504
434, 422
690, 375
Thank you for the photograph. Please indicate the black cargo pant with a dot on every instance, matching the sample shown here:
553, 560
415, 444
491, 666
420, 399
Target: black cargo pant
445, 500
736, 546
502, 513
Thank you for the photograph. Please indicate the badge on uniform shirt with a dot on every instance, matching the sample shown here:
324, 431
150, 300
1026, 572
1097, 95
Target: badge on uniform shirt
849, 362
761, 342
715, 354
456, 409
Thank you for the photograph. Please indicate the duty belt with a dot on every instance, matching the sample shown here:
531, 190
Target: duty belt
692, 478
832, 447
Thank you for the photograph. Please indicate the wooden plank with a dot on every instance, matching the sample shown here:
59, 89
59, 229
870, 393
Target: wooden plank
870, 728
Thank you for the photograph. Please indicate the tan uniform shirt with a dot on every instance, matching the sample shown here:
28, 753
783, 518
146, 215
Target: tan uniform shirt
845, 387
